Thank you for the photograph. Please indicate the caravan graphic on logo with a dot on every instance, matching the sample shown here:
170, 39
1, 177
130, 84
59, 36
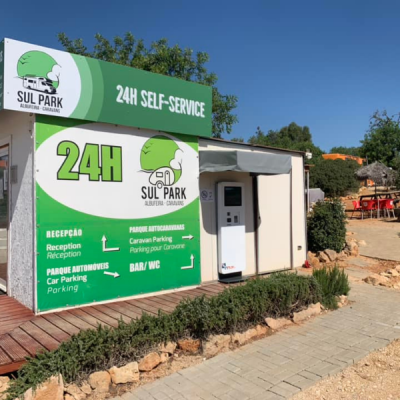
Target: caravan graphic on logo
162, 157
39, 72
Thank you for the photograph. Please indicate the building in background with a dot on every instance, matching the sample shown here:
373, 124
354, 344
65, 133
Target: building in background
338, 156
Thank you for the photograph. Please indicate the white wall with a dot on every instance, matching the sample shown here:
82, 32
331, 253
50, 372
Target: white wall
298, 212
209, 263
18, 127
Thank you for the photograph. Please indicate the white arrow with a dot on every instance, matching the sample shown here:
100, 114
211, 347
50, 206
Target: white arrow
192, 263
114, 274
104, 240
190, 237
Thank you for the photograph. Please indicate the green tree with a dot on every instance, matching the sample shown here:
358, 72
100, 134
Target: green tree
285, 138
351, 151
396, 164
237, 140
291, 137
335, 177
326, 227
294, 133
164, 59
382, 140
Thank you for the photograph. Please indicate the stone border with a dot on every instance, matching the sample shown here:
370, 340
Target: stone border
98, 384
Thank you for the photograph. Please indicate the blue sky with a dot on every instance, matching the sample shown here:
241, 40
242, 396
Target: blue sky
325, 64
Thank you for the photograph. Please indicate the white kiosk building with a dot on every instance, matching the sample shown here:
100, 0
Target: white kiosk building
112, 187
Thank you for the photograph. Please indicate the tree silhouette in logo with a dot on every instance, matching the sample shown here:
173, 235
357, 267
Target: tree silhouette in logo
162, 153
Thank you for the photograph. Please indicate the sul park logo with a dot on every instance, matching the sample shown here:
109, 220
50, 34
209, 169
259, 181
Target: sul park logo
40, 78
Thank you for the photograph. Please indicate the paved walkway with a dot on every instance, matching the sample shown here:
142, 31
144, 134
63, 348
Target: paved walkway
281, 365
382, 238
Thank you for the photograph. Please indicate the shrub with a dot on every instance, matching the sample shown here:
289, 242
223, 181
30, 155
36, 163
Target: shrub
333, 282
233, 310
326, 227
335, 177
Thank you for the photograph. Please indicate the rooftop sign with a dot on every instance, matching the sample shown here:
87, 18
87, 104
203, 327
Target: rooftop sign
51, 82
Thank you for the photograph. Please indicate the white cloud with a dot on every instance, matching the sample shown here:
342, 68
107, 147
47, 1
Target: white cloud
176, 163
54, 75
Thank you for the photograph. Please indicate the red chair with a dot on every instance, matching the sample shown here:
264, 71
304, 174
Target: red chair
357, 207
380, 206
368, 205
388, 207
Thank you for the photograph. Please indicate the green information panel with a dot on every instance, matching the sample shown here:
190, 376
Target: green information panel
52, 82
117, 212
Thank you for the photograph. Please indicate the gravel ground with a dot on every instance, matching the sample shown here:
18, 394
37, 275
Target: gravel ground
375, 377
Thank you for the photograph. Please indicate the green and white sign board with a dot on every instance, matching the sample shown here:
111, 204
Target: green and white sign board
51, 82
117, 212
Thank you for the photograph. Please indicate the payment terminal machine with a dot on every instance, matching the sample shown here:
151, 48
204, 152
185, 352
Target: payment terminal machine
231, 228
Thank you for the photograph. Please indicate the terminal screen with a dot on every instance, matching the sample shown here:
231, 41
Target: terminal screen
233, 196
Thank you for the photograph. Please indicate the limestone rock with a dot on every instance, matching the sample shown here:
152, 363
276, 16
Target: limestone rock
68, 397
277, 323
4, 383
310, 256
100, 381
126, 374
342, 301
85, 388
28, 395
313, 260
74, 392
315, 263
323, 257
393, 272
99, 395
342, 256
332, 255
261, 330
397, 268
168, 348
189, 345
149, 362
351, 247
376, 280
240, 338
216, 344
361, 243
312, 310
243, 337
164, 357
52, 389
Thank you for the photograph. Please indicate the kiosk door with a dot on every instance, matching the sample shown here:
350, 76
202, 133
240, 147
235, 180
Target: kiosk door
274, 233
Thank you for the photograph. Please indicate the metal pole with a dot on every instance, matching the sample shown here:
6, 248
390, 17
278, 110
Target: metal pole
308, 191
